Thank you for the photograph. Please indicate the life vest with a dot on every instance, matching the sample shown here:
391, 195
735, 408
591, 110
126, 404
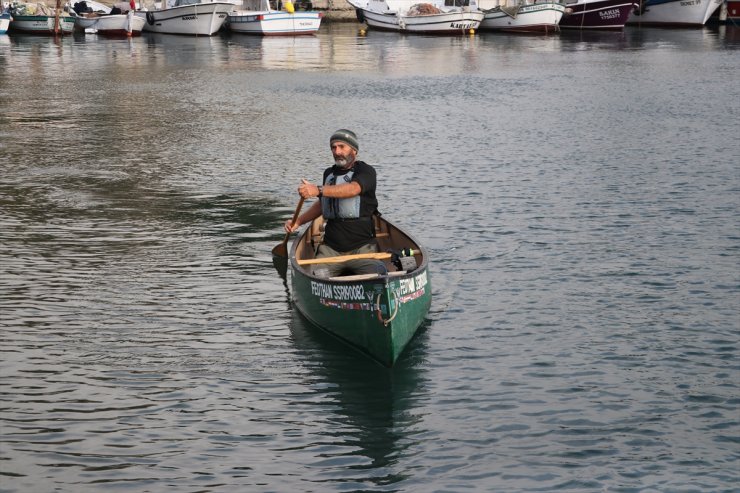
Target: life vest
332, 208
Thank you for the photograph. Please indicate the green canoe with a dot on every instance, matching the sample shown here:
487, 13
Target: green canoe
376, 314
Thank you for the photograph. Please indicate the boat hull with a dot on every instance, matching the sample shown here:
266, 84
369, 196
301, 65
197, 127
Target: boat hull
445, 23
539, 17
269, 23
203, 19
83, 22
41, 24
600, 14
122, 25
674, 12
377, 316
733, 12
4, 23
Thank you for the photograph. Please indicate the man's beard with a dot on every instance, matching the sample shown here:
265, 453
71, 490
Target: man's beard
344, 162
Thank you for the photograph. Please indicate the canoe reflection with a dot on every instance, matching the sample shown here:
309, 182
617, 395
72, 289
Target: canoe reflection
377, 407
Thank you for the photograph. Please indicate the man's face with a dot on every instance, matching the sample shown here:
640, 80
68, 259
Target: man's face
343, 154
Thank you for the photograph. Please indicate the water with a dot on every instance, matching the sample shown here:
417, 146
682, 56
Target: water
578, 194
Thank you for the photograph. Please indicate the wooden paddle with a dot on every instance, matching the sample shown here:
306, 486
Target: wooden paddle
344, 258
281, 250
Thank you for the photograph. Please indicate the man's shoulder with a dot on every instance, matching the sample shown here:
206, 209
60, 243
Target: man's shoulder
363, 165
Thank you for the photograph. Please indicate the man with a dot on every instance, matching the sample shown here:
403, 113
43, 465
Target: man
347, 202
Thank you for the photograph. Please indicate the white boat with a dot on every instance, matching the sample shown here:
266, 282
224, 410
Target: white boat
192, 17
42, 24
673, 12
410, 16
118, 25
4, 22
86, 14
521, 15
39, 19
257, 17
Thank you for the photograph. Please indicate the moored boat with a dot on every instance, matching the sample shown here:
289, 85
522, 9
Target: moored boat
378, 314
521, 15
257, 17
41, 24
597, 14
729, 12
410, 16
189, 17
39, 19
673, 12
119, 25
4, 22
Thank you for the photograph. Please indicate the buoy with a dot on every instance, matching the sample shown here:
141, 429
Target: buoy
289, 7
472, 31
362, 32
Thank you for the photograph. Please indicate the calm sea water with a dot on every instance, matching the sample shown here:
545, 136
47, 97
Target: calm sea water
579, 195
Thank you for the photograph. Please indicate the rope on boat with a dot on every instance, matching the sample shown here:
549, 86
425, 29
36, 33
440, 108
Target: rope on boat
380, 313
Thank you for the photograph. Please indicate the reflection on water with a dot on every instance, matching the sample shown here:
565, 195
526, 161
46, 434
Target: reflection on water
576, 195
377, 408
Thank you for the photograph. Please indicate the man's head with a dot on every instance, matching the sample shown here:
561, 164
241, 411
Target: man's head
344, 147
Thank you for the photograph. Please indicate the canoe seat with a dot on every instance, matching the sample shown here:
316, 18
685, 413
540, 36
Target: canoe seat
355, 277
365, 277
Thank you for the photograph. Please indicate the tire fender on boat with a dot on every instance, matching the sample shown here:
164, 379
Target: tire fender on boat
150, 18
360, 15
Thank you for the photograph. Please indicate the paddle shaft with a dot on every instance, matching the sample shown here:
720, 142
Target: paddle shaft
344, 258
281, 250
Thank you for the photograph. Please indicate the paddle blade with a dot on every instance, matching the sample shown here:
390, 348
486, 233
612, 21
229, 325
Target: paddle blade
281, 266
280, 250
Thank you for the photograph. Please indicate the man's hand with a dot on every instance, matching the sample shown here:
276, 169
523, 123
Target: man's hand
307, 189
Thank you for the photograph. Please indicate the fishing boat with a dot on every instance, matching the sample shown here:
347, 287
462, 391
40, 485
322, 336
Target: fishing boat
410, 16
729, 13
4, 22
732, 9
258, 17
39, 19
42, 24
521, 15
119, 25
378, 314
596, 14
673, 12
190, 17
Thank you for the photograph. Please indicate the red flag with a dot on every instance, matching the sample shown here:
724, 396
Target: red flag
132, 4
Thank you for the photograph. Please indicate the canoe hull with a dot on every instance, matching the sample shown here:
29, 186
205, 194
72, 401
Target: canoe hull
372, 316
379, 315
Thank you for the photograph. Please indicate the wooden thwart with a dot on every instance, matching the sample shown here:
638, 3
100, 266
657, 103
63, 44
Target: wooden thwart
344, 258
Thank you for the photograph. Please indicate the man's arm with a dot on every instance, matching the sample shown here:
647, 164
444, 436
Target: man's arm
312, 213
341, 191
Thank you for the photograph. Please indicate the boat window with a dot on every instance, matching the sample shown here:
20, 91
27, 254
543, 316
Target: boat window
457, 3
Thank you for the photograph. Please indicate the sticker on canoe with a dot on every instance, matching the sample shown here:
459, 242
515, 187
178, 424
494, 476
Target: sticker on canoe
354, 296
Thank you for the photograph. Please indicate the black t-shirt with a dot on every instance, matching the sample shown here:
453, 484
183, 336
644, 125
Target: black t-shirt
344, 235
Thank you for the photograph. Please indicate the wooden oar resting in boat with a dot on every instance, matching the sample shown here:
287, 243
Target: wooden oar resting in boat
375, 313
